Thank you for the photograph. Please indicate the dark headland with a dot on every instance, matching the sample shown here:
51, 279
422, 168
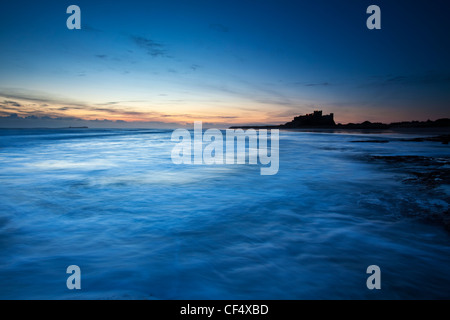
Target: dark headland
317, 120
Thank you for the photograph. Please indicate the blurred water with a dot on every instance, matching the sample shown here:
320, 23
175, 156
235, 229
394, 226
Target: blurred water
140, 227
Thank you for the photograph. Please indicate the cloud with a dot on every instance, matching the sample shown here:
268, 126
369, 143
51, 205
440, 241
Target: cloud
249, 91
323, 84
15, 121
53, 106
101, 56
121, 112
430, 78
218, 27
153, 48
57, 107
421, 79
12, 103
60, 109
89, 28
110, 103
226, 117
37, 97
197, 117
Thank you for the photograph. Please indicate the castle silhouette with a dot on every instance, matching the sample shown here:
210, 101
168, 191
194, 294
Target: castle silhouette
313, 119
318, 120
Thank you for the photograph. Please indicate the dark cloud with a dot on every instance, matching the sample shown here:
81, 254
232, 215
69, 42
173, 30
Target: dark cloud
195, 67
226, 117
13, 120
101, 56
89, 28
120, 112
57, 109
110, 103
421, 79
12, 103
323, 84
196, 117
429, 78
66, 105
37, 97
153, 48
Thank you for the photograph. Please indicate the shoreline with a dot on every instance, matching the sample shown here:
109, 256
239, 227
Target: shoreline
351, 129
439, 134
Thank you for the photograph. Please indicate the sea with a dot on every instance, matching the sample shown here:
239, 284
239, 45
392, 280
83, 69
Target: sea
113, 203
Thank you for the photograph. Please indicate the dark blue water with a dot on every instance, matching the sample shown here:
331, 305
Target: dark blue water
140, 227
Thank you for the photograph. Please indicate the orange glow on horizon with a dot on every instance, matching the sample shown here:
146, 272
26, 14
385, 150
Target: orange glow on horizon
187, 113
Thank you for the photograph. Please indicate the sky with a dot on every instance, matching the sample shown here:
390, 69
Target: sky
170, 63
